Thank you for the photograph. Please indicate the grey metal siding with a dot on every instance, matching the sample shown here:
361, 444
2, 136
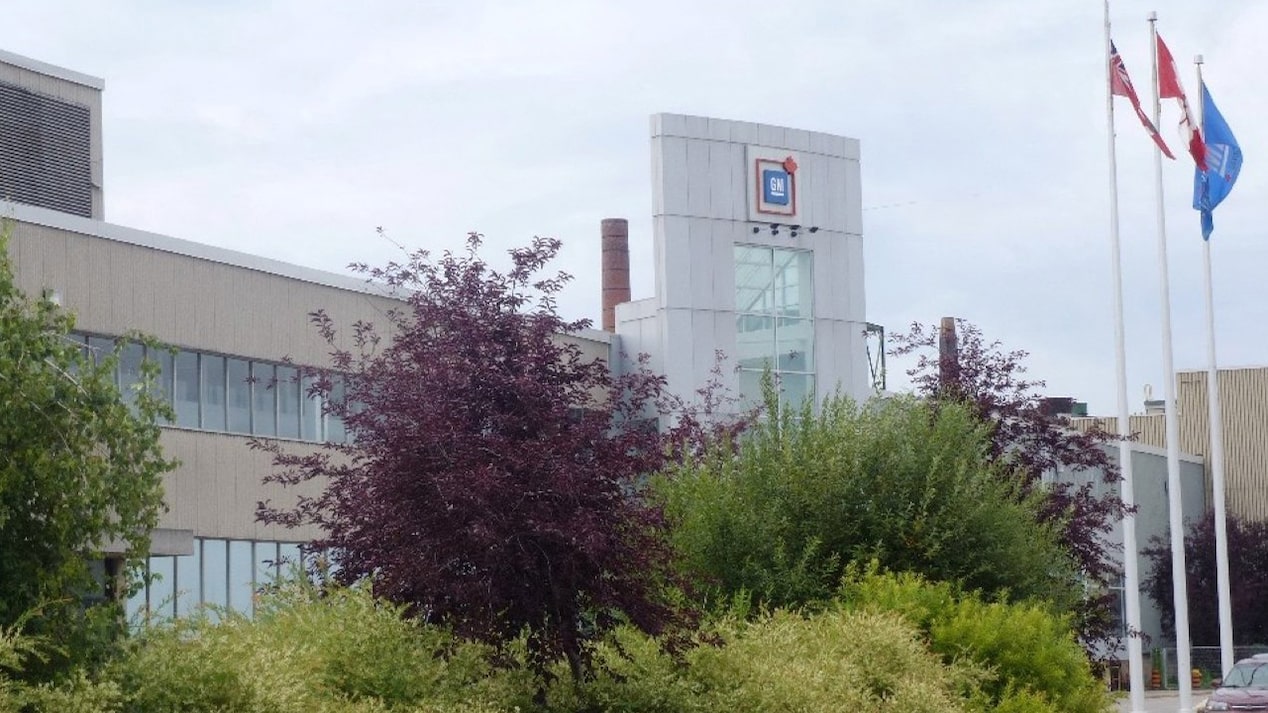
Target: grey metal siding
45, 151
1244, 413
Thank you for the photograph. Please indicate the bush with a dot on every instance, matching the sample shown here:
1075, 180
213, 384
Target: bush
781, 662
1033, 660
338, 650
902, 481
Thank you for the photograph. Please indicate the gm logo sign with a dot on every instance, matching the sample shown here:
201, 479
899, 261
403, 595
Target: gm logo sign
774, 185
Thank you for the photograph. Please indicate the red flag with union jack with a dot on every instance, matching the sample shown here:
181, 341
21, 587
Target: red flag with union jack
1121, 84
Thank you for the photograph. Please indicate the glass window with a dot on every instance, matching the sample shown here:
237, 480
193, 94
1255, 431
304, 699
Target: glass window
135, 606
794, 389
241, 576
754, 341
289, 557
774, 329
187, 389
162, 587
239, 395
163, 380
130, 358
795, 345
287, 402
752, 279
792, 283
335, 432
213, 371
750, 388
265, 564
100, 348
310, 410
264, 399
215, 572
189, 582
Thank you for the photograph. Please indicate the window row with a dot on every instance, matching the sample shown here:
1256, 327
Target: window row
223, 573
218, 393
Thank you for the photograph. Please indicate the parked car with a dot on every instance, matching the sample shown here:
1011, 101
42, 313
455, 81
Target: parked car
1245, 688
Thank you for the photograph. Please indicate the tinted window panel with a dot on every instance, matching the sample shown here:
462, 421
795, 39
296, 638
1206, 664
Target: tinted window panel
241, 571
310, 411
287, 402
264, 399
187, 389
239, 395
213, 370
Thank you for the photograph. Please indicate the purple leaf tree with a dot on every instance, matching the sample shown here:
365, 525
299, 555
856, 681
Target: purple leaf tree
493, 479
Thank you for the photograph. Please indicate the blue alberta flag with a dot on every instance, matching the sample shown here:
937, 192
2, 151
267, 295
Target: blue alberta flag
1223, 163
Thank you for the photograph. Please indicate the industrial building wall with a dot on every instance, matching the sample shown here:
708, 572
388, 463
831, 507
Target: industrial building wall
115, 287
710, 210
1244, 414
36, 132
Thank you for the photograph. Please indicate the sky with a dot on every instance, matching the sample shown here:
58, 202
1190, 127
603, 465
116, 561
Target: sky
294, 128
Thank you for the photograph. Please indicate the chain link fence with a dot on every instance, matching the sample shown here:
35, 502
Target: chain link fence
1204, 659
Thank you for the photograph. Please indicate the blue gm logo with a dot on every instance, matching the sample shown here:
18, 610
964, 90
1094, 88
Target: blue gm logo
776, 186
776, 181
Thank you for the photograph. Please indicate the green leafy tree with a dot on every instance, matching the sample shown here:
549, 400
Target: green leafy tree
902, 481
80, 468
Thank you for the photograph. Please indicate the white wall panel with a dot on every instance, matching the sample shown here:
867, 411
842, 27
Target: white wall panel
702, 266
699, 182
722, 193
675, 167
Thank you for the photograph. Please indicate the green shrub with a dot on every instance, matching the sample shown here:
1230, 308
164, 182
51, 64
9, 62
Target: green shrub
781, 662
337, 650
1033, 660
900, 481
832, 661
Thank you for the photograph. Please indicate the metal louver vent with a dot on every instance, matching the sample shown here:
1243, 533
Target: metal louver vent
45, 153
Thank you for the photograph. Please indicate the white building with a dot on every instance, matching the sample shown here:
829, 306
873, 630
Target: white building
758, 256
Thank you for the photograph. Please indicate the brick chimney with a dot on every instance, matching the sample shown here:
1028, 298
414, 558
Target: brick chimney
948, 353
616, 268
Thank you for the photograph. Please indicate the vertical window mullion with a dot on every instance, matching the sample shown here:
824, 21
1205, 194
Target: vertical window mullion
202, 397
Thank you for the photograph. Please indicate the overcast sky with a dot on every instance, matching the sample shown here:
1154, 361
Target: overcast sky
293, 128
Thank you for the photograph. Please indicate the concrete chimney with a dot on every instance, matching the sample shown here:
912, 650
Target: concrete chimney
616, 268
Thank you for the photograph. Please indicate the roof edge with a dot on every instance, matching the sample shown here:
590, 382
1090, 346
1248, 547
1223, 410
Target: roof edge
132, 236
52, 70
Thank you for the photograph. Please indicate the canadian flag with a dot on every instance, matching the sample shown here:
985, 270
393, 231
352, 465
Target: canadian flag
1169, 88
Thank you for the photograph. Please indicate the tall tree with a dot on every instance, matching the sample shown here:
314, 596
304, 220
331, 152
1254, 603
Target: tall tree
1030, 443
493, 481
1248, 580
80, 467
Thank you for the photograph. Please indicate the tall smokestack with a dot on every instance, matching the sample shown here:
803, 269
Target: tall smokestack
616, 268
948, 354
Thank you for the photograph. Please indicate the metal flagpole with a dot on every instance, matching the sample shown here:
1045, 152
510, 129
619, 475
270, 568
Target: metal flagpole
1131, 577
1217, 444
1179, 585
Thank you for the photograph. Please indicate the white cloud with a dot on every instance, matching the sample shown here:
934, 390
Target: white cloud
291, 128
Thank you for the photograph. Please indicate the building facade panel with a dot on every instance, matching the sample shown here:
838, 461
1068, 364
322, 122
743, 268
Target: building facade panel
1244, 415
768, 187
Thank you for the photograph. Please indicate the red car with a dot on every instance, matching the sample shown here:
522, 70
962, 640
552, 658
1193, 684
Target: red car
1245, 688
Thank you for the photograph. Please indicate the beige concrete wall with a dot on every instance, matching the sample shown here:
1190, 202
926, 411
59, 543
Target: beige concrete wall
113, 287
1244, 414
216, 488
76, 93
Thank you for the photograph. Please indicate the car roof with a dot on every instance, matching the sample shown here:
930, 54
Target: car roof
1257, 658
